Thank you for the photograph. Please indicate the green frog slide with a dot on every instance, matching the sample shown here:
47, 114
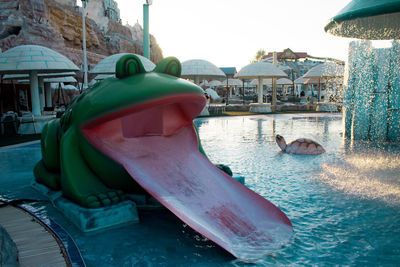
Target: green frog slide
134, 133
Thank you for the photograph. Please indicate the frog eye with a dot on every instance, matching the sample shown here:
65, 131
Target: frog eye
170, 66
128, 65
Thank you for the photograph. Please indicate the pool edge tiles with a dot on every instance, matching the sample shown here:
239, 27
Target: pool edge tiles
65, 240
31, 252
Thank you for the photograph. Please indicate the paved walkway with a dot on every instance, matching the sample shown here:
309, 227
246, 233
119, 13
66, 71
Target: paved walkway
36, 246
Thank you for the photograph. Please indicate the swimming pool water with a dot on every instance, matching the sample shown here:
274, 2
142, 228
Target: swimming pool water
343, 204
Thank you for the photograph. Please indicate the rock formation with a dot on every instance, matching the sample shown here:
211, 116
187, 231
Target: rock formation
58, 25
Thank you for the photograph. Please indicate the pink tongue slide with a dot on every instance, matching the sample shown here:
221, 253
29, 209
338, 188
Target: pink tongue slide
171, 168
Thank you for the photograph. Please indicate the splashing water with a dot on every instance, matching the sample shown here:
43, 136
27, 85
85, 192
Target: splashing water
368, 176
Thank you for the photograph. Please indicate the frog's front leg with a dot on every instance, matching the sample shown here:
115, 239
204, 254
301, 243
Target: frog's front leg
78, 181
47, 170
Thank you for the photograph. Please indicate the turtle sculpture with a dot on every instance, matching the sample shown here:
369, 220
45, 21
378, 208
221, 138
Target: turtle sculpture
300, 146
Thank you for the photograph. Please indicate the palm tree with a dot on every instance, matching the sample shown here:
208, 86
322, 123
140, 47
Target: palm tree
259, 55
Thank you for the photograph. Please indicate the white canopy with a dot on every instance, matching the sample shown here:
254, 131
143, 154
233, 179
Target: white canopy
32, 60
55, 86
214, 83
204, 83
300, 80
284, 81
260, 69
55, 80
232, 82
212, 94
325, 70
266, 82
28, 58
199, 68
45, 75
107, 65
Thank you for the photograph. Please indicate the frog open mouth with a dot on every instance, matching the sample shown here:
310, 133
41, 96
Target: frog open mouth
161, 117
158, 146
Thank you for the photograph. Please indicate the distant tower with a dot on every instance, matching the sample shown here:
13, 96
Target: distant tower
111, 10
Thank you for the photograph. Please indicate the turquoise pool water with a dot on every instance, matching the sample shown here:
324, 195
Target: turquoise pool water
344, 204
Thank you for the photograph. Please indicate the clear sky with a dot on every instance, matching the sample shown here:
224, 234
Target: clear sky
229, 32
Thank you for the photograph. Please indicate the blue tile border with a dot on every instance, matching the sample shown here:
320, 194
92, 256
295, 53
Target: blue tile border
74, 256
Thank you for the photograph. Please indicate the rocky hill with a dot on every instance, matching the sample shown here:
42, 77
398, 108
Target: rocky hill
58, 25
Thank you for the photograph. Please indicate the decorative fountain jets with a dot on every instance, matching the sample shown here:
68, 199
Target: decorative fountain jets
371, 97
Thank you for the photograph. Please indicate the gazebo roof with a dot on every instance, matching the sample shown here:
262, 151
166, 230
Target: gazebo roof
325, 70
214, 83
254, 82
232, 82
284, 81
260, 69
268, 82
28, 58
300, 80
107, 65
200, 68
314, 81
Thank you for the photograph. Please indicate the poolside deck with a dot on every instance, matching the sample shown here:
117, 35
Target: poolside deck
36, 245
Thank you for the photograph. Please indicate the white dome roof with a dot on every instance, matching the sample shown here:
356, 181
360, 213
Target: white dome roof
260, 69
326, 70
107, 65
200, 68
27, 58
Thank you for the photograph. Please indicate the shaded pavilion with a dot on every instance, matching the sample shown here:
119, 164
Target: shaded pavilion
326, 71
214, 83
56, 85
284, 82
260, 71
199, 69
44, 81
232, 83
32, 60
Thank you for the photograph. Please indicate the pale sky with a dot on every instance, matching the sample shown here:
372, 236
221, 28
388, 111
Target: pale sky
228, 33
